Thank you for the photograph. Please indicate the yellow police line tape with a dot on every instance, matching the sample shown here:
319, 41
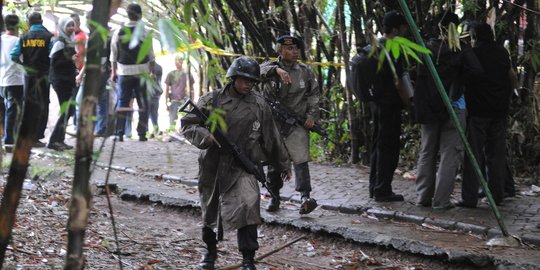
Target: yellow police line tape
199, 45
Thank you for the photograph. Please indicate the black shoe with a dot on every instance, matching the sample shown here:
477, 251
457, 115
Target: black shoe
248, 266
248, 260
273, 205
57, 146
119, 138
38, 144
66, 147
423, 204
390, 198
465, 204
143, 139
209, 259
307, 206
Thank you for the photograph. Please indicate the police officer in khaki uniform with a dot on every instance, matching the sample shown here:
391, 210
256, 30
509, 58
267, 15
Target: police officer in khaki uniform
295, 87
226, 190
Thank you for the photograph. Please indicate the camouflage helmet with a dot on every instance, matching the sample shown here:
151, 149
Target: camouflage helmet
244, 67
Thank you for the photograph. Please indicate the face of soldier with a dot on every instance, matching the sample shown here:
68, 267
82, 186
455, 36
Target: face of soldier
289, 53
243, 85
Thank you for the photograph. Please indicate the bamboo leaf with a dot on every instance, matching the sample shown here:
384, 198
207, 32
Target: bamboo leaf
167, 34
405, 42
395, 50
145, 48
103, 32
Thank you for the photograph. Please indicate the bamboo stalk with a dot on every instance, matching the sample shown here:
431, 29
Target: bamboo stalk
79, 208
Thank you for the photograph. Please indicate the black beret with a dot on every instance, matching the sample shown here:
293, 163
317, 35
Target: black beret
289, 40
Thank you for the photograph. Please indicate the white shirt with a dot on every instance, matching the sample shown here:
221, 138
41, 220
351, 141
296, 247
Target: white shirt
10, 73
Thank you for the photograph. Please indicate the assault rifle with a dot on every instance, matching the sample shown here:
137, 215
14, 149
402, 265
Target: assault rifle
289, 119
248, 165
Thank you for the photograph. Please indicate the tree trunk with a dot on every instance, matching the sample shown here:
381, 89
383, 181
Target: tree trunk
350, 108
19, 164
79, 208
18, 167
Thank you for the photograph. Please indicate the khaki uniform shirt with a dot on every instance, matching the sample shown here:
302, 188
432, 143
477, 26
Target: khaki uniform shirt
301, 97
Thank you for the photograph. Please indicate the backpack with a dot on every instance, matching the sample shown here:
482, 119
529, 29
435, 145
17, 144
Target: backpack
363, 68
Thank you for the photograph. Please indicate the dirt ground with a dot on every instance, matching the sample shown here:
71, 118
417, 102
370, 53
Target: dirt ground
156, 237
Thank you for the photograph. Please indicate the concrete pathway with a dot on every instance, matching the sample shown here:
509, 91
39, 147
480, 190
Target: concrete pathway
169, 170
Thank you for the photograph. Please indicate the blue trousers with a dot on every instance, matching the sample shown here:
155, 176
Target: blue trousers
127, 87
13, 98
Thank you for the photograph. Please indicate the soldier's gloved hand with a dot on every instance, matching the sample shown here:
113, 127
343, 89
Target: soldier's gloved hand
283, 75
309, 123
210, 140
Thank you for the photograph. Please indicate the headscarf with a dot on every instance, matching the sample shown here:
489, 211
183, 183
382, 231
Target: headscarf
63, 39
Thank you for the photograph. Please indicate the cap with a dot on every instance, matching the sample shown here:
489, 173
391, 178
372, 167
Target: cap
289, 40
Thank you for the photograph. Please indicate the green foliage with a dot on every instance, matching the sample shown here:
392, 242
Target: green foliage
402, 46
145, 48
216, 118
64, 107
470, 6
102, 31
149, 83
410, 141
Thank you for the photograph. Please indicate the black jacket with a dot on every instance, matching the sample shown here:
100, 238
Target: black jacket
35, 51
455, 69
63, 70
489, 94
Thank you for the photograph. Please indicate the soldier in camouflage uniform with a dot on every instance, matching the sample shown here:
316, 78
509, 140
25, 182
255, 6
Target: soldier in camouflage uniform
227, 191
295, 87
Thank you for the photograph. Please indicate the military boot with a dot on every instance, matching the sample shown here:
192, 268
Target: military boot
209, 259
273, 204
248, 261
308, 204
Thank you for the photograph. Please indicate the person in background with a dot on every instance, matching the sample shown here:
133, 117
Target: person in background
11, 81
176, 90
386, 112
62, 77
488, 102
297, 89
155, 95
129, 71
455, 65
35, 47
80, 41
